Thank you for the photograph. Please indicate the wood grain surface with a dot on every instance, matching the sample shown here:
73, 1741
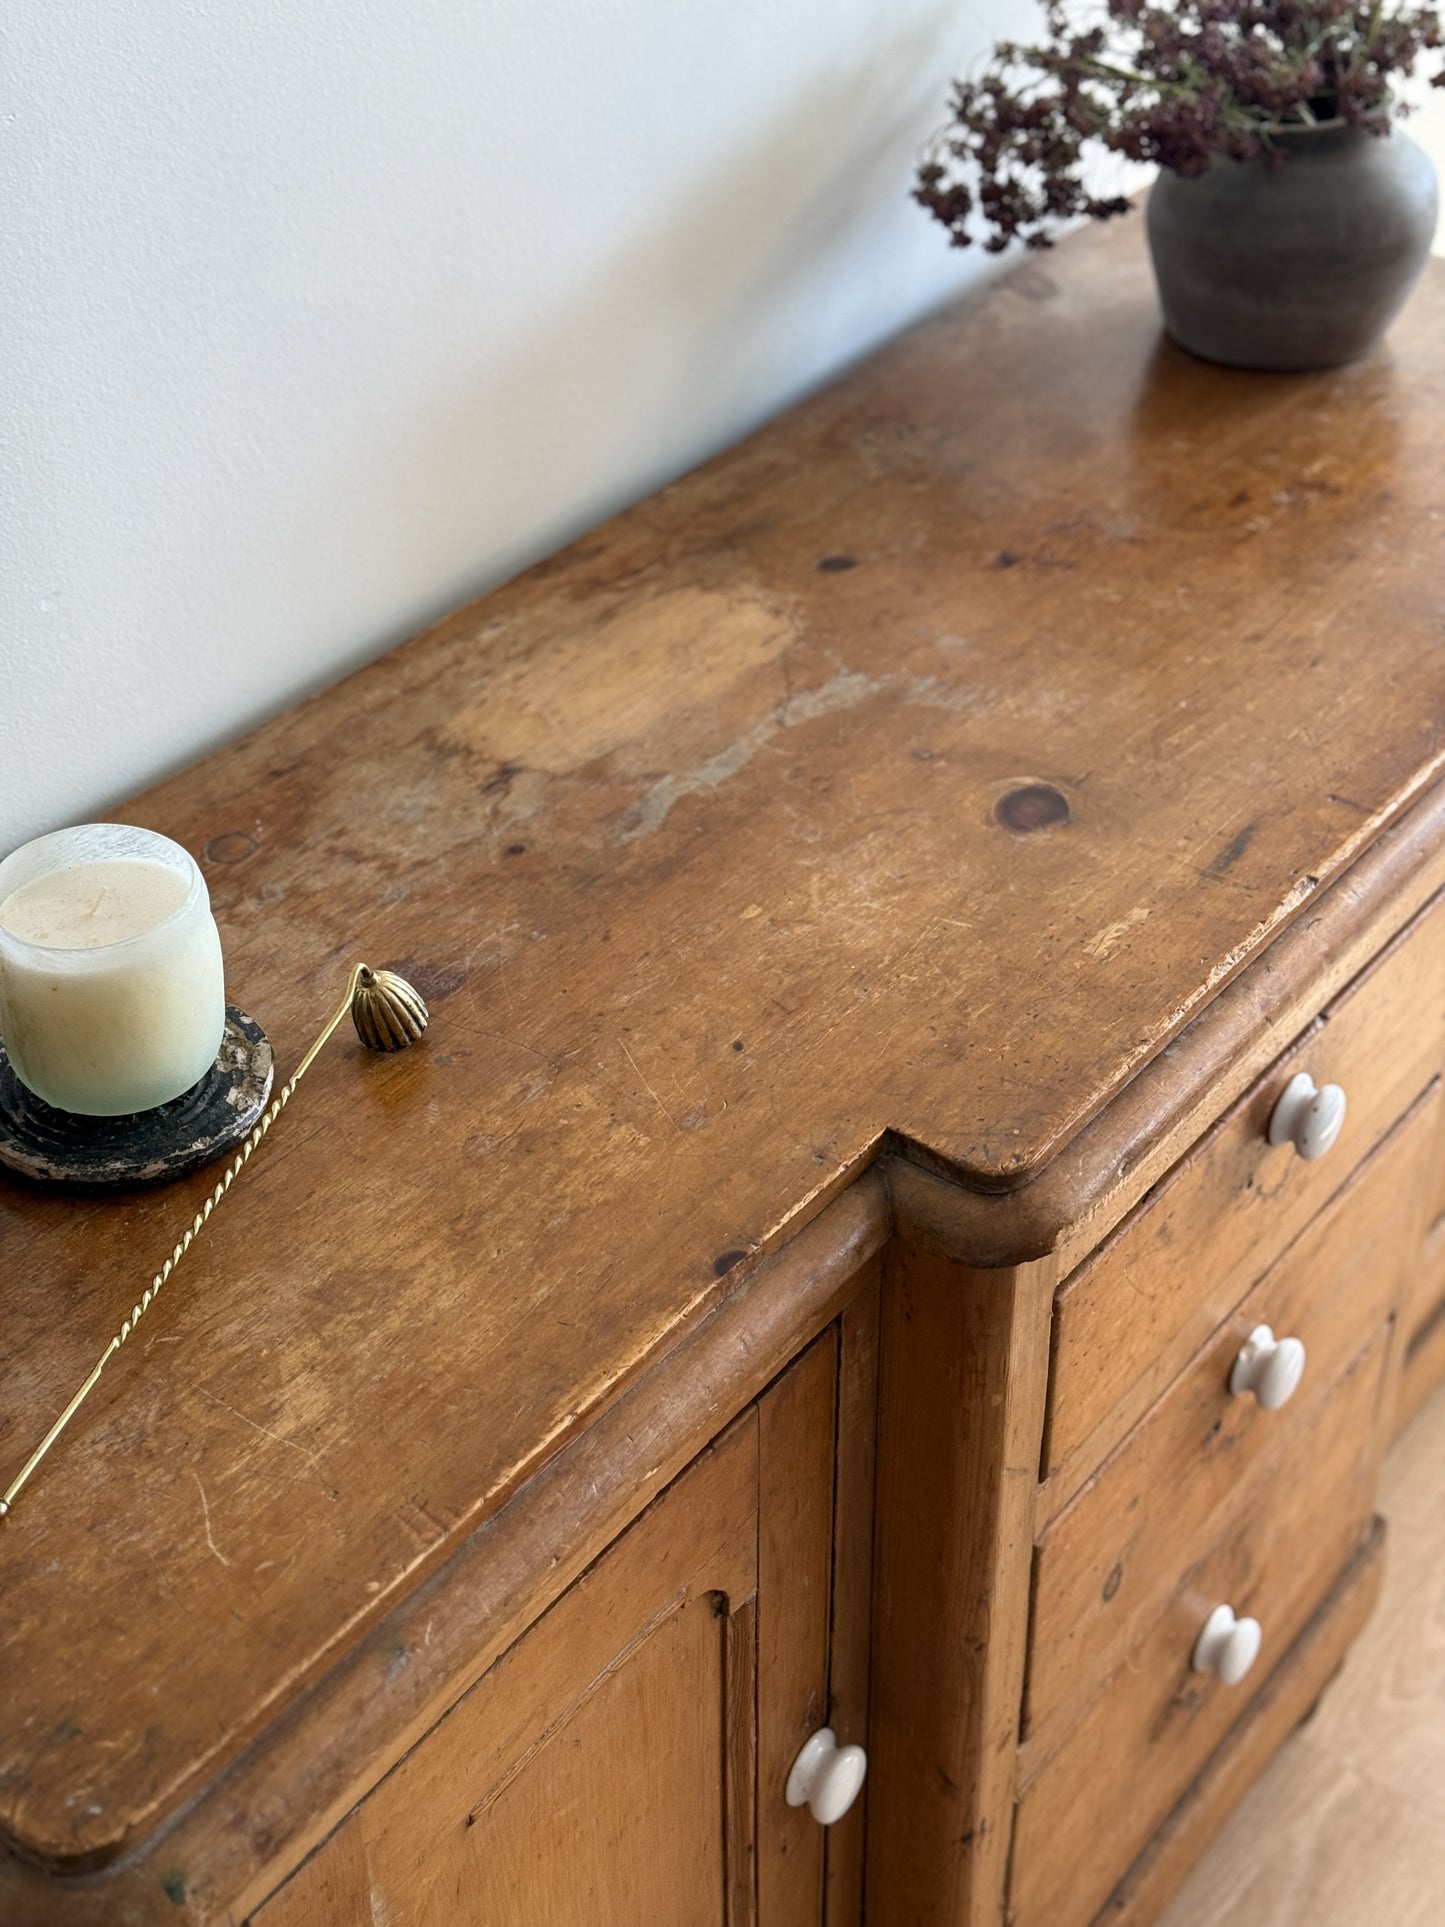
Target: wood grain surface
924, 763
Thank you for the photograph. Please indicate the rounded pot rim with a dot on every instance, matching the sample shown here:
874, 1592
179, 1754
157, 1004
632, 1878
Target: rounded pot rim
1337, 123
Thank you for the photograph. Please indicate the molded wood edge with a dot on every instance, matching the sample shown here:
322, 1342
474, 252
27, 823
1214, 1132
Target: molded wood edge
1089, 1185
250, 1829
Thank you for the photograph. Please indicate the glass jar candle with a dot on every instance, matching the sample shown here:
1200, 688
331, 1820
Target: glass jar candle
111, 991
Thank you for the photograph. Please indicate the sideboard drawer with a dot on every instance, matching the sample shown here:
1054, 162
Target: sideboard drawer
1089, 1810
1107, 1561
1130, 1318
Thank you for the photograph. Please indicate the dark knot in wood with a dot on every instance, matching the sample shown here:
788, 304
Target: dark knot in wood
1036, 806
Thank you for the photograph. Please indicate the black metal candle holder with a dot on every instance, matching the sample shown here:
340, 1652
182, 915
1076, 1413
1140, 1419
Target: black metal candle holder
148, 1147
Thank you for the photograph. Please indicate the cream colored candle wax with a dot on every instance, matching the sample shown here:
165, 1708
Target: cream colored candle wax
93, 904
111, 988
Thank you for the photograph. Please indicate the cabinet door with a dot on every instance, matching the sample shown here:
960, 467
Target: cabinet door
624, 1761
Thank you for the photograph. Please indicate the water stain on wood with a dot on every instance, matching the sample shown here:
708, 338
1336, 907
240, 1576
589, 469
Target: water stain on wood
1233, 850
234, 846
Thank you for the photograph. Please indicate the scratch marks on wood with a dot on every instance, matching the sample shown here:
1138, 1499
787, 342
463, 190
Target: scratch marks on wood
206, 1515
162, 1574
312, 1458
502, 973
845, 690
648, 1088
1106, 941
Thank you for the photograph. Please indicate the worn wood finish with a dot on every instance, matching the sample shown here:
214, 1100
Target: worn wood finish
626, 1758
1105, 1564
795, 1569
859, 794
961, 1405
1128, 1320
1088, 1187
740, 1781
852, 1617
1092, 1807
256, 1822
1276, 1710
581, 1778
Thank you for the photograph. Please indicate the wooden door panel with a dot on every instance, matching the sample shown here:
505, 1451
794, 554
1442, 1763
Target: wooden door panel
583, 1778
619, 1815
625, 1760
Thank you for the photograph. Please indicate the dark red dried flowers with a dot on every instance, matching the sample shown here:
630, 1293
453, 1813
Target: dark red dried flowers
1177, 86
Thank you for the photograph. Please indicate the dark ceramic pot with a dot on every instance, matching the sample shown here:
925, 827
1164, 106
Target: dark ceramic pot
1303, 265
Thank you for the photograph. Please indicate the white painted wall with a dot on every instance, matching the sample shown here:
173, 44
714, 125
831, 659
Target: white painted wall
318, 317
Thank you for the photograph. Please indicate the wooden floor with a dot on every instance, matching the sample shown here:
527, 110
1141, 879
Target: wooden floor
1347, 1828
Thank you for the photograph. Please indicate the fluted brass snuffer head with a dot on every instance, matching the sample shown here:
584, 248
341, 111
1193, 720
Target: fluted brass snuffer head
388, 1013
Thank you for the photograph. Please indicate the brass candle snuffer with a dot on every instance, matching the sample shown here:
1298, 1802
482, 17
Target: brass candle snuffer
389, 1015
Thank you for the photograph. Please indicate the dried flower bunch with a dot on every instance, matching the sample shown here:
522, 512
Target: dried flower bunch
1176, 85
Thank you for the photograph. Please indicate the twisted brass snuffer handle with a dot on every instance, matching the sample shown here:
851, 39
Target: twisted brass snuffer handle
389, 1015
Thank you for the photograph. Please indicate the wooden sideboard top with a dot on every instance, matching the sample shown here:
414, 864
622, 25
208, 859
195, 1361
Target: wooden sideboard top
923, 763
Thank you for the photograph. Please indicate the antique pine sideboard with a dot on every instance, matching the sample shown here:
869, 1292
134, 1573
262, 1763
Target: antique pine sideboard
873, 896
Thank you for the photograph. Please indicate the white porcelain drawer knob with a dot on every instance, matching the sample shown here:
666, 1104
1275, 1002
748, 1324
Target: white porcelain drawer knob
1308, 1118
1227, 1647
826, 1777
1269, 1367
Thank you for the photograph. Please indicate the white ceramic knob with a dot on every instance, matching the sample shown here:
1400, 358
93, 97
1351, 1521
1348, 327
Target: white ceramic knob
826, 1777
1227, 1647
1307, 1118
1269, 1367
